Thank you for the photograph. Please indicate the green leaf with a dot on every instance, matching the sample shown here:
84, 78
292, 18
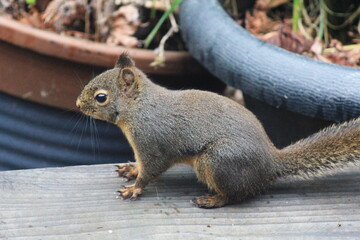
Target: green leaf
166, 14
31, 2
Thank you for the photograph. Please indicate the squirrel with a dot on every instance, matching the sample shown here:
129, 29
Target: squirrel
221, 140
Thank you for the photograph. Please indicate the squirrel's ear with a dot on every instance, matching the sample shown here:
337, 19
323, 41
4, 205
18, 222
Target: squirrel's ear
128, 81
124, 61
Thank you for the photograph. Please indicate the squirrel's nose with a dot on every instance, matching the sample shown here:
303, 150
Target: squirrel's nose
78, 103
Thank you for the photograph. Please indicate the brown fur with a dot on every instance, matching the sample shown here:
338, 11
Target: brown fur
333, 147
188, 160
224, 142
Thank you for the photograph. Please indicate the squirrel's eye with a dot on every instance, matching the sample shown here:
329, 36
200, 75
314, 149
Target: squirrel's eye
101, 98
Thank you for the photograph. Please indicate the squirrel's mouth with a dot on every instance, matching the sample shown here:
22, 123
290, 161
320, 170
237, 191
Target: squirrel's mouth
88, 111
94, 114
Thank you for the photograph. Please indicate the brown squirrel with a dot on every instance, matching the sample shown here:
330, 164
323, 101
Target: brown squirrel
223, 141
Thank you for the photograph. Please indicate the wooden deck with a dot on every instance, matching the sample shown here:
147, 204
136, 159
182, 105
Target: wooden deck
81, 203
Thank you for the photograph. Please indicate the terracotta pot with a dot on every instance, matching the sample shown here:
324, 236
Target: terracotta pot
49, 68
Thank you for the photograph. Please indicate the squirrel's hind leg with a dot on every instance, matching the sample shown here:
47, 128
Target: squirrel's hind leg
230, 173
205, 169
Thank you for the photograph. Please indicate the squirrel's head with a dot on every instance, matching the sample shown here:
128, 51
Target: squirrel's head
107, 96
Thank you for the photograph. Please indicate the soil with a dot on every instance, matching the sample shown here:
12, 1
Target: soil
270, 20
122, 22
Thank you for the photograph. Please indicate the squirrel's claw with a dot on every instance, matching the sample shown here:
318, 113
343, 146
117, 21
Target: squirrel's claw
134, 197
127, 171
130, 191
130, 175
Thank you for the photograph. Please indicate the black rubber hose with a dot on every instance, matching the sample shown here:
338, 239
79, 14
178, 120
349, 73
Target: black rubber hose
265, 72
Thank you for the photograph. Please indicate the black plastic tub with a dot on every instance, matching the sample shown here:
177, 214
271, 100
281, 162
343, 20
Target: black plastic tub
292, 95
33, 135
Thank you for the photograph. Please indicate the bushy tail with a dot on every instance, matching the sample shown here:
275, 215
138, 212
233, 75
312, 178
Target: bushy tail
336, 146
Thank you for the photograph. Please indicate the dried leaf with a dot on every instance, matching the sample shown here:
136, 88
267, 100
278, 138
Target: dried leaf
156, 4
339, 55
257, 21
42, 4
102, 11
281, 35
33, 18
13, 7
317, 47
288, 40
62, 13
125, 23
130, 12
268, 4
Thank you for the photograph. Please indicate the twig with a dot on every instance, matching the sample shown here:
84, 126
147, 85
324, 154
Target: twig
336, 14
304, 32
234, 8
87, 17
171, 16
99, 17
348, 21
307, 18
345, 48
152, 34
160, 50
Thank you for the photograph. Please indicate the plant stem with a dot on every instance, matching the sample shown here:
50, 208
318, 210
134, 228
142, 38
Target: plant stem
321, 29
153, 10
235, 8
153, 32
296, 16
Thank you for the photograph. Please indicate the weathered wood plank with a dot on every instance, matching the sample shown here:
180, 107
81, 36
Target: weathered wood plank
81, 203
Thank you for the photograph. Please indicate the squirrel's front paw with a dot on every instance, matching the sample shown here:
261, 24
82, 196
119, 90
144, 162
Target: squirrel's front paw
130, 191
127, 170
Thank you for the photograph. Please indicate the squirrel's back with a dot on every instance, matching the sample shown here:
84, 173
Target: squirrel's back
195, 117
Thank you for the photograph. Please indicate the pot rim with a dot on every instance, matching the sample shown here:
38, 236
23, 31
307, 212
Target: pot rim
88, 52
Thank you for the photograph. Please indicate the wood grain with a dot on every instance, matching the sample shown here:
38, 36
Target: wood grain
81, 203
